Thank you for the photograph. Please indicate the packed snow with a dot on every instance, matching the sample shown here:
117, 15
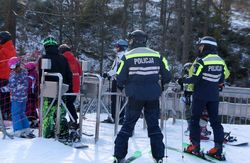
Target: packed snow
42, 150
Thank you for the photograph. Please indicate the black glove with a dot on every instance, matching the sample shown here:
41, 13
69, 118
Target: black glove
120, 88
109, 77
221, 86
105, 75
180, 81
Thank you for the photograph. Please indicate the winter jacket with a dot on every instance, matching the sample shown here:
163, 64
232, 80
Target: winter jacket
75, 69
18, 86
7, 50
112, 71
140, 70
59, 64
208, 72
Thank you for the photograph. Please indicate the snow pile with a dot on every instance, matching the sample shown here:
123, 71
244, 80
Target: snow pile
41, 150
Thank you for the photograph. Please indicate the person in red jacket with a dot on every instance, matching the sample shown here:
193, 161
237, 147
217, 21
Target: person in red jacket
76, 70
7, 51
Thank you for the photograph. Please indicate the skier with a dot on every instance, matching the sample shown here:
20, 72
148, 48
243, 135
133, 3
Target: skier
32, 102
209, 71
18, 86
7, 50
120, 48
59, 64
188, 90
139, 72
76, 70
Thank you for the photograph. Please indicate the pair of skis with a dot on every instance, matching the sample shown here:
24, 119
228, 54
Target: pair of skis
204, 157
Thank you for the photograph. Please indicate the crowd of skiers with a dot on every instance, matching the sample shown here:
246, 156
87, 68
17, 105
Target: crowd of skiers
142, 72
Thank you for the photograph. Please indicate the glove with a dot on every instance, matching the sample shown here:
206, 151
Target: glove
105, 75
221, 86
180, 81
120, 88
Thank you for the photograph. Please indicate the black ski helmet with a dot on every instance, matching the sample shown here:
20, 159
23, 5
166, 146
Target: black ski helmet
4, 37
63, 48
137, 38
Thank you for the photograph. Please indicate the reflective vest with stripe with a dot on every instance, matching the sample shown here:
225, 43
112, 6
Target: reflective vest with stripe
208, 73
139, 72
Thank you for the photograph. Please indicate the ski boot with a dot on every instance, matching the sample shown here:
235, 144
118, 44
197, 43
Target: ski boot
74, 132
118, 160
108, 120
158, 160
27, 133
193, 149
216, 152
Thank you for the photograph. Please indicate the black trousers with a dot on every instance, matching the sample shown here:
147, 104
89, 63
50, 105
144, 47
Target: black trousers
113, 101
132, 114
212, 108
71, 107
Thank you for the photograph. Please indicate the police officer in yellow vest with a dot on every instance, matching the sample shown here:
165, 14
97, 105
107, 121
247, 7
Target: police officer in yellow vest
139, 72
208, 72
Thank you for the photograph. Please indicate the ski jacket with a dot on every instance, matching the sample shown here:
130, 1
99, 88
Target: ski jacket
75, 69
33, 81
140, 70
59, 64
112, 71
208, 72
17, 86
7, 51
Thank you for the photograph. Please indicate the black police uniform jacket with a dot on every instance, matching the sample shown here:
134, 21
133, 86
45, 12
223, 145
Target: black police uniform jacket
140, 70
208, 73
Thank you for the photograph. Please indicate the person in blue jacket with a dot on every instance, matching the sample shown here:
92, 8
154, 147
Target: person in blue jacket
139, 72
208, 73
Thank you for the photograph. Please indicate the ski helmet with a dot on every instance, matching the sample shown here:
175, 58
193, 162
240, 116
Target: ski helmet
49, 41
30, 66
186, 68
137, 38
14, 62
121, 44
4, 37
63, 48
207, 40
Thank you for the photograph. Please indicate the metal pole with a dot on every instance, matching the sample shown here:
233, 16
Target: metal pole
40, 132
98, 107
58, 112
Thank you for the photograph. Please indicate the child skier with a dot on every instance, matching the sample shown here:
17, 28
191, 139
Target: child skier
18, 87
31, 106
188, 91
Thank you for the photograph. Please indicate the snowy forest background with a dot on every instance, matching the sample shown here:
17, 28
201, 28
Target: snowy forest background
173, 26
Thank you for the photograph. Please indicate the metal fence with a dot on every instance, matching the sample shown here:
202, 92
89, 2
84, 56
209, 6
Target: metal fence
234, 107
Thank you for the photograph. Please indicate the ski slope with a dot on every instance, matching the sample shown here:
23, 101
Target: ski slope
41, 150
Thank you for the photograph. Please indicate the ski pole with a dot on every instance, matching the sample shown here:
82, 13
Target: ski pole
182, 141
165, 123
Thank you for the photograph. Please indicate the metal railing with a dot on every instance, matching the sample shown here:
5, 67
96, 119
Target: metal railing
234, 104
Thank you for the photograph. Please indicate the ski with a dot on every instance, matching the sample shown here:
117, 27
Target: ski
135, 156
190, 154
76, 145
87, 134
214, 158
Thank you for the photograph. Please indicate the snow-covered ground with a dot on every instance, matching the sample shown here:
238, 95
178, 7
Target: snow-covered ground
41, 150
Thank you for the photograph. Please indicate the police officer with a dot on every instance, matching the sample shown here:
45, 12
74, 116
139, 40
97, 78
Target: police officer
209, 71
139, 72
120, 48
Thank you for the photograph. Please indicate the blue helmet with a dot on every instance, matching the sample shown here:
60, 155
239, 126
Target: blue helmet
121, 44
